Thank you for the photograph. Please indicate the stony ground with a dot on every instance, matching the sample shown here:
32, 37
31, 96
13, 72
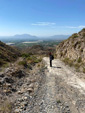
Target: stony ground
57, 89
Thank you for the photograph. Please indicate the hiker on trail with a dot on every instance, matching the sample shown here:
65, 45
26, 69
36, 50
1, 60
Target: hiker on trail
51, 58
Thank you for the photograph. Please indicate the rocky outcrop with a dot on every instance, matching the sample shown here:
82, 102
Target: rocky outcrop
19, 86
72, 50
10, 79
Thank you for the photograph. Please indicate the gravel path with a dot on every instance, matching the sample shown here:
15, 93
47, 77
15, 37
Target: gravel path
69, 76
50, 96
59, 90
64, 87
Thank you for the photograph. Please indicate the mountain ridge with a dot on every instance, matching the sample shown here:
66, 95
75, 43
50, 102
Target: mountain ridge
28, 37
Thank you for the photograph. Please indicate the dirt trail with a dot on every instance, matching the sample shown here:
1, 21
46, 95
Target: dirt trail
60, 91
69, 76
50, 94
65, 90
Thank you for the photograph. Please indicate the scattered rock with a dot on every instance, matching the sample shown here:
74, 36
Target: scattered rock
8, 80
31, 85
7, 91
14, 90
25, 98
19, 74
17, 110
30, 90
20, 92
1, 75
1, 81
8, 85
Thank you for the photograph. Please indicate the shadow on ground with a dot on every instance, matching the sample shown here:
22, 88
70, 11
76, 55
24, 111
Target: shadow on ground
55, 67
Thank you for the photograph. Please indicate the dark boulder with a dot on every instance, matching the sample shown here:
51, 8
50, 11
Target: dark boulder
8, 80
18, 73
1, 75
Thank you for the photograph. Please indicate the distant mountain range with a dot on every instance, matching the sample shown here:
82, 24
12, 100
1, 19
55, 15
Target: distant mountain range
18, 38
27, 37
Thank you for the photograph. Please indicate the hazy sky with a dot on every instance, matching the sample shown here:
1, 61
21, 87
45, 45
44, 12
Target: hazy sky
41, 17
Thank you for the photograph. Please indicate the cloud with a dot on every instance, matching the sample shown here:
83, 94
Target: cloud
43, 24
75, 27
53, 25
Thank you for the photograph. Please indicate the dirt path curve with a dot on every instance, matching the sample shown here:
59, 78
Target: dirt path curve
69, 77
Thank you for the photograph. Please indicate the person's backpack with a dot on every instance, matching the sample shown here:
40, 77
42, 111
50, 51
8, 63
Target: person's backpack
52, 57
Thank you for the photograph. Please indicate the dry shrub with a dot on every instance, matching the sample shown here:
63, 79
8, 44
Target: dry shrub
6, 107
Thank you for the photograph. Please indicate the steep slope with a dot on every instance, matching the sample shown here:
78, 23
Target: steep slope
7, 53
72, 50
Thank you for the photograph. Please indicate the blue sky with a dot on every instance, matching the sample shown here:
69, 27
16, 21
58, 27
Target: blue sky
41, 17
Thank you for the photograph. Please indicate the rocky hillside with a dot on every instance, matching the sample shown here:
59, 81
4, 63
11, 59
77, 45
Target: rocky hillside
72, 50
7, 53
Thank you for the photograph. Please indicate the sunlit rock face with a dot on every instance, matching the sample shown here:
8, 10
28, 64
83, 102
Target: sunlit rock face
73, 49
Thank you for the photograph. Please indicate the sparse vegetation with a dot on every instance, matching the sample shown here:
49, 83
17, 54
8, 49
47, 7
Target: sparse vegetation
83, 70
84, 34
75, 35
77, 66
2, 62
29, 60
68, 61
6, 107
83, 29
81, 50
79, 60
24, 55
22, 63
58, 101
73, 47
7, 54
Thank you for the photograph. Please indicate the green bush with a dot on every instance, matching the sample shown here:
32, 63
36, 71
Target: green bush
29, 57
25, 64
25, 55
79, 60
77, 66
22, 63
34, 59
58, 101
37, 60
29, 66
83, 70
81, 50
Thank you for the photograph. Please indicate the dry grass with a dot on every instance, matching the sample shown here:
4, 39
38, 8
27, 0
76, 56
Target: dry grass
6, 107
68, 61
